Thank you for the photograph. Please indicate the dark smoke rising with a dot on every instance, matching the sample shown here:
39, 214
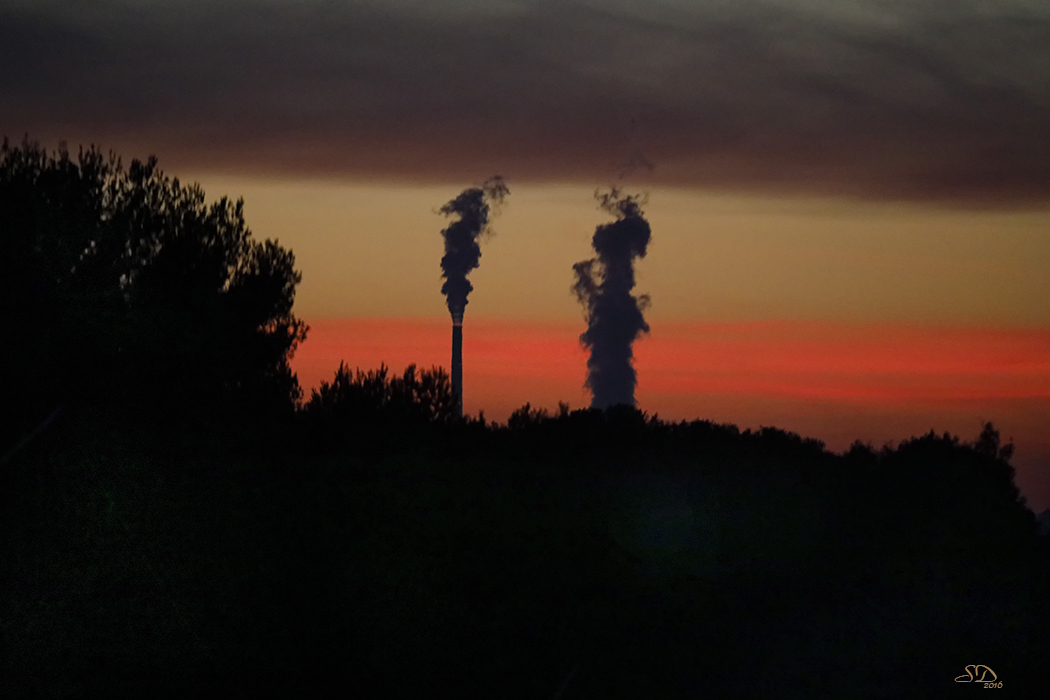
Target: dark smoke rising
462, 248
614, 315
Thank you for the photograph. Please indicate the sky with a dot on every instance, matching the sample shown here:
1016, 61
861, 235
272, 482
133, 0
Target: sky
848, 199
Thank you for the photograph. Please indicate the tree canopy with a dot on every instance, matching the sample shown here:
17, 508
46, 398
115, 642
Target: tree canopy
411, 399
123, 284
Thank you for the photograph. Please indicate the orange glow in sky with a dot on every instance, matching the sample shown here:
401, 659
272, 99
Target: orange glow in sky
866, 364
834, 381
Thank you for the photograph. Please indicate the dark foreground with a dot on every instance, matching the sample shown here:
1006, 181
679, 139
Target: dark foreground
588, 556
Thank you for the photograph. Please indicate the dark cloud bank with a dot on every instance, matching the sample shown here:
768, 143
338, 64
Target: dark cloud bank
910, 99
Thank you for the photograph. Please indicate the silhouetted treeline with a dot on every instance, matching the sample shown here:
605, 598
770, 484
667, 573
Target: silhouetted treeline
373, 547
413, 399
121, 286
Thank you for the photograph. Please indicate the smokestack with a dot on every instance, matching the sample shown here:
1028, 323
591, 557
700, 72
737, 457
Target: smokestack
463, 254
457, 365
614, 315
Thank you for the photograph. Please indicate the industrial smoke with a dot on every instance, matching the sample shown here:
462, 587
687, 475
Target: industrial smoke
473, 206
614, 315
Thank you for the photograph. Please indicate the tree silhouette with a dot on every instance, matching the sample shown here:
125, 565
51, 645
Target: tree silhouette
414, 398
123, 285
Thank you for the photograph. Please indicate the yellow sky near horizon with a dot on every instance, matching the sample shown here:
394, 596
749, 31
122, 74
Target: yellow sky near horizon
374, 251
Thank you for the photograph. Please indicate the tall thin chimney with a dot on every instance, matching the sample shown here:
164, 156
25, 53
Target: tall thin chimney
457, 365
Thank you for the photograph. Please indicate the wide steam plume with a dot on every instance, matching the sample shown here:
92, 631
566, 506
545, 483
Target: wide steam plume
614, 315
462, 249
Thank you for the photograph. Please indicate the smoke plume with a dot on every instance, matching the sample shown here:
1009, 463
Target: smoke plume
462, 249
614, 315
463, 254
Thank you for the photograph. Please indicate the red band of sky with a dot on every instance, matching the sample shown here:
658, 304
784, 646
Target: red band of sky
833, 381
858, 363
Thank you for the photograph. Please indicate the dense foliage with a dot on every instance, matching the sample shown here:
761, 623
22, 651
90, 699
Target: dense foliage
122, 285
374, 396
381, 555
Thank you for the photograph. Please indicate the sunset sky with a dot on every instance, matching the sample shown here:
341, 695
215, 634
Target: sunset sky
848, 198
